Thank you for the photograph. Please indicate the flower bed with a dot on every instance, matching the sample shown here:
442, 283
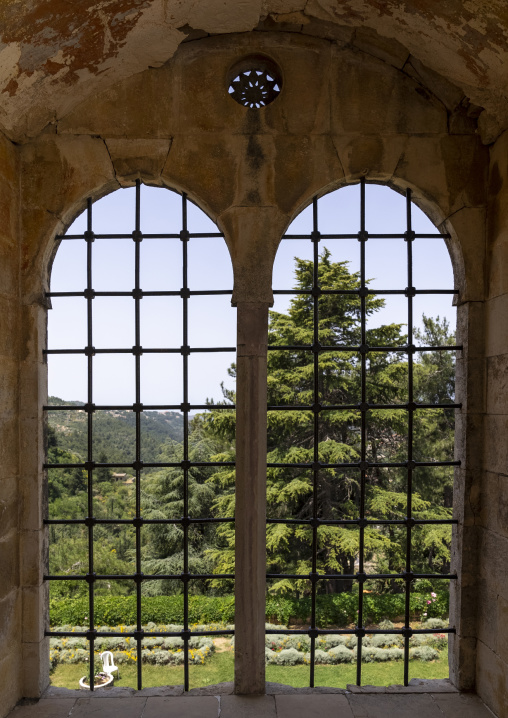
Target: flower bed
291, 650
157, 650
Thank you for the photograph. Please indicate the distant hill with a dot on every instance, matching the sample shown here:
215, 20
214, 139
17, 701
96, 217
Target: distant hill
114, 432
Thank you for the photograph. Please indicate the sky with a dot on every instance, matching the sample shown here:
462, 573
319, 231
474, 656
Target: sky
212, 320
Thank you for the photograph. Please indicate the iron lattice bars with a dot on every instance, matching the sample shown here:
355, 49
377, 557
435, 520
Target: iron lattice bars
138, 465
363, 406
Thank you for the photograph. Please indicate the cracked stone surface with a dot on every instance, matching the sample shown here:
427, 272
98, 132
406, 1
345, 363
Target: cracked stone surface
54, 54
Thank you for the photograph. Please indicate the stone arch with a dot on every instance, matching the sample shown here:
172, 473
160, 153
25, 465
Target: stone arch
252, 175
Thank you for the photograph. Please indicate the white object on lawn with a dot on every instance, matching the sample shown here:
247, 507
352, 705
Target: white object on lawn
108, 663
83, 682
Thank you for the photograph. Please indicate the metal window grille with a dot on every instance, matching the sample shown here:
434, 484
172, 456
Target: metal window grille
91, 465
363, 407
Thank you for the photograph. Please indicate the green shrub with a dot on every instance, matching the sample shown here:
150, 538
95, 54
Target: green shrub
435, 623
341, 654
322, 657
423, 653
386, 640
289, 657
331, 610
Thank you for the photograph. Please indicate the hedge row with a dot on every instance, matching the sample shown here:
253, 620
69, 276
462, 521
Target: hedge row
332, 610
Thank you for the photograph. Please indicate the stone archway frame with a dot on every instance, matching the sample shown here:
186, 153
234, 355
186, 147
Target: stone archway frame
342, 114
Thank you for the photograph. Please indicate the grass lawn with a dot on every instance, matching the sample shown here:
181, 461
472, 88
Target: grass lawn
220, 668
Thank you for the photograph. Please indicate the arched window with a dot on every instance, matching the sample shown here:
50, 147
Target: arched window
140, 337
360, 434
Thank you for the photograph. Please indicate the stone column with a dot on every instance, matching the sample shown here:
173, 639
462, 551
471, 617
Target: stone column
250, 549
252, 235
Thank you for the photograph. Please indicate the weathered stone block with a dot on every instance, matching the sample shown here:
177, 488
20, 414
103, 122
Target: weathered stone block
462, 705
496, 313
10, 621
470, 384
374, 157
303, 166
33, 381
489, 498
467, 252
495, 443
393, 706
33, 549
463, 605
8, 162
31, 459
339, 34
138, 158
115, 113
491, 679
502, 505
33, 332
493, 570
59, 173
253, 235
35, 668
247, 706
46, 708
9, 504
176, 706
10, 679
386, 49
498, 218
131, 707
313, 706
196, 167
35, 612
32, 500
9, 266
453, 175
498, 263
307, 75
255, 179
471, 329
469, 439
502, 622
488, 629
462, 661
9, 562
8, 385
9, 327
390, 102
497, 384
9, 446
448, 93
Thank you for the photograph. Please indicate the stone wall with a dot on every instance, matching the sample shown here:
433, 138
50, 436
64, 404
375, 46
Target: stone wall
492, 514
10, 344
343, 114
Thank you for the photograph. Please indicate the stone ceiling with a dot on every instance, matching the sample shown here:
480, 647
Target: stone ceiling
56, 53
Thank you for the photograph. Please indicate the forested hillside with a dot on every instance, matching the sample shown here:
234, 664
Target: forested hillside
114, 432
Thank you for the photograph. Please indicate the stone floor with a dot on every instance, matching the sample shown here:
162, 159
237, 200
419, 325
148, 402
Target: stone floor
422, 699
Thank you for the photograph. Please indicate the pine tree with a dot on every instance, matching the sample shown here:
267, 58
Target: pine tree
290, 435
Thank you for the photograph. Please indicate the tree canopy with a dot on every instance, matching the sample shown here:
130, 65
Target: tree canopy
291, 382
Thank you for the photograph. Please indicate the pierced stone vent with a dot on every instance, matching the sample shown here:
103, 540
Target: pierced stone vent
255, 82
